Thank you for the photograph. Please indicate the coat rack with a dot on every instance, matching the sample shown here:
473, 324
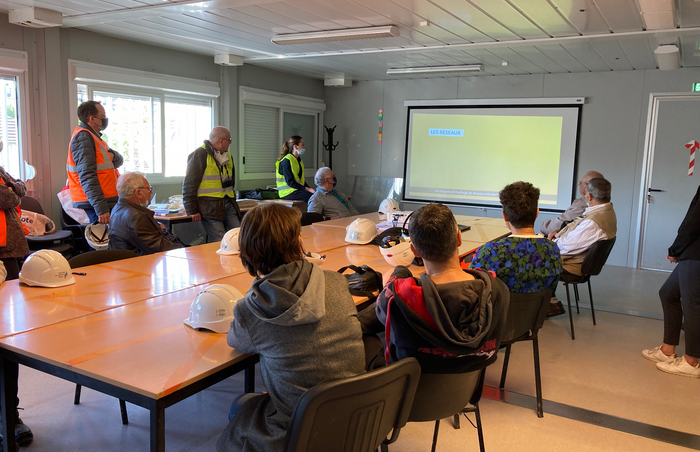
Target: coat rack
330, 147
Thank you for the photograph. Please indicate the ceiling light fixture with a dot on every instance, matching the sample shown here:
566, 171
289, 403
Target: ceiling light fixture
434, 69
346, 34
668, 57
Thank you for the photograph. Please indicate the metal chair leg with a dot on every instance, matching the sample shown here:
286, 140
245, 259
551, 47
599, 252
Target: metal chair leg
456, 423
435, 435
504, 371
577, 298
538, 379
479, 429
125, 415
384, 448
76, 398
590, 295
571, 317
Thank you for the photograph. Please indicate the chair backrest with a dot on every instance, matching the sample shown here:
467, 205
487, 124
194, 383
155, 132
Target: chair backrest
99, 257
30, 204
526, 314
443, 395
313, 217
67, 220
354, 414
597, 256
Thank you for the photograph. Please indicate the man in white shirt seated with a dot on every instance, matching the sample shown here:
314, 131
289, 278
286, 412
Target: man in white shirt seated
575, 210
327, 201
598, 222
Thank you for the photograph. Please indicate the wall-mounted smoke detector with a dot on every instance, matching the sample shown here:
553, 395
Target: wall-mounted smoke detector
226, 59
36, 17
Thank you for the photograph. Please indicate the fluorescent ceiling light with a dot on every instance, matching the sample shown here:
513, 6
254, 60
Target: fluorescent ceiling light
346, 34
434, 69
658, 14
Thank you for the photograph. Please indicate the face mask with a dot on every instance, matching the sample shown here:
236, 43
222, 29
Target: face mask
105, 123
335, 181
221, 159
302, 151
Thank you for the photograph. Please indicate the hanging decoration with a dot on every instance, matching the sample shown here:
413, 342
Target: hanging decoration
693, 146
381, 124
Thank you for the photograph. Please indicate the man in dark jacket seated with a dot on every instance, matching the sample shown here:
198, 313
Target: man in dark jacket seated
132, 226
449, 319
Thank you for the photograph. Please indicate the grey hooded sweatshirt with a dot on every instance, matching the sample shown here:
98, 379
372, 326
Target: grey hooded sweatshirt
303, 323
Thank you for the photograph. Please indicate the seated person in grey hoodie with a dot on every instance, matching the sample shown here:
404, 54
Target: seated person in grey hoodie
449, 319
300, 319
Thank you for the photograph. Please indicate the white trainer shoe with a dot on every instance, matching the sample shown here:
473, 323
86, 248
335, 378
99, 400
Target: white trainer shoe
680, 366
656, 355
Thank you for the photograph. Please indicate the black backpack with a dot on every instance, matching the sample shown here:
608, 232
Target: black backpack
364, 282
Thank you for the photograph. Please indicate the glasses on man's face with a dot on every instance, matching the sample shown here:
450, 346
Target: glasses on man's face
149, 188
228, 139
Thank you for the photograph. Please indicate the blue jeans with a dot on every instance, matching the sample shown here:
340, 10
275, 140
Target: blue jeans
298, 195
92, 215
216, 229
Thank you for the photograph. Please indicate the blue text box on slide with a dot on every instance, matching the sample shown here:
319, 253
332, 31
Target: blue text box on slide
446, 132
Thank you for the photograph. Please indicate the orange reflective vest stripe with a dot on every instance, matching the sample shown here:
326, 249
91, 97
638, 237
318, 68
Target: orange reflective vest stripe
106, 173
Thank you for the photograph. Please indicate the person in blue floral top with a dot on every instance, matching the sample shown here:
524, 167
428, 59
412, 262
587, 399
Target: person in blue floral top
527, 262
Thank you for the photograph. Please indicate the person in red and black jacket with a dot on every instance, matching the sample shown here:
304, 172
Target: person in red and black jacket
449, 319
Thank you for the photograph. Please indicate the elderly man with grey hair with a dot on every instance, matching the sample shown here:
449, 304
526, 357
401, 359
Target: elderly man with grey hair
207, 191
327, 201
574, 211
598, 222
132, 226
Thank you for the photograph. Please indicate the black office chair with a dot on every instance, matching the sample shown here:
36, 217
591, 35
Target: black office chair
446, 395
100, 257
592, 265
310, 218
355, 414
526, 314
93, 258
56, 241
78, 230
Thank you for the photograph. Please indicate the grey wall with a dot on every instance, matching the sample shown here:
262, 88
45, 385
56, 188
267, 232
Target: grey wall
611, 141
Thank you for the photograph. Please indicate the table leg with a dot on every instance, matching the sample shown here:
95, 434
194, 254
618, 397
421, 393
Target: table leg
157, 427
250, 378
8, 392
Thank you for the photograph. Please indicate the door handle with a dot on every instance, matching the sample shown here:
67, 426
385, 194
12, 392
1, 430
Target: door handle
656, 190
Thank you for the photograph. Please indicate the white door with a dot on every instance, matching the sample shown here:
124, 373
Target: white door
674, 122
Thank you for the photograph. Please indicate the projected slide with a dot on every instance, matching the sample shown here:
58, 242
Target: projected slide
467, 156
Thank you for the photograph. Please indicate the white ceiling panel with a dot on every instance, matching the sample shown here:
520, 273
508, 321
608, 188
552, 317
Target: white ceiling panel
587, 56
582, 15
639, 52
532, 36
612, 53
533, 54
507, 15
545, 16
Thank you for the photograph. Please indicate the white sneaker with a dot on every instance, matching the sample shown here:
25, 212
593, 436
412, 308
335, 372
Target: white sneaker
680, 366
658, 356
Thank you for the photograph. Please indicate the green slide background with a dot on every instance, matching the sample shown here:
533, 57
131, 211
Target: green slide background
495, 151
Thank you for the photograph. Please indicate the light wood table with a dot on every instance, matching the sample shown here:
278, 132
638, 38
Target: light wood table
119, 329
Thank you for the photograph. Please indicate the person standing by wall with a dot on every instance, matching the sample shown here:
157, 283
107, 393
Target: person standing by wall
291, 184
92, 165
207, 191
680, 299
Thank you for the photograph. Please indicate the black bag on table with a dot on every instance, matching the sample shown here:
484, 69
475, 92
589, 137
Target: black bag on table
364, 282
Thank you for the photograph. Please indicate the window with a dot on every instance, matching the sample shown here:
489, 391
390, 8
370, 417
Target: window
267, 119
11, 155
153, 124
13, 120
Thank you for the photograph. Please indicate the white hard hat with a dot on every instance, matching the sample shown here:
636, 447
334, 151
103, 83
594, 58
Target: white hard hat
229, 244
361, 231
46, 268
387, 206
97, 235
213, 308
399, 254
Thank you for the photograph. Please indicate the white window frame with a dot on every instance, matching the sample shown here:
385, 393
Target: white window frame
16, 63
128, 81
287, 103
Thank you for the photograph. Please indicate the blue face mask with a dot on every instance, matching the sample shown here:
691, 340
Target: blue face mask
302, 151
335, 181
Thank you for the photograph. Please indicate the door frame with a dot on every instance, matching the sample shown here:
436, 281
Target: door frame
648, 165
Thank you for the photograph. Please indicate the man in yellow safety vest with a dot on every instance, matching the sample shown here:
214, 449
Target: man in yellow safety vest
207, 190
